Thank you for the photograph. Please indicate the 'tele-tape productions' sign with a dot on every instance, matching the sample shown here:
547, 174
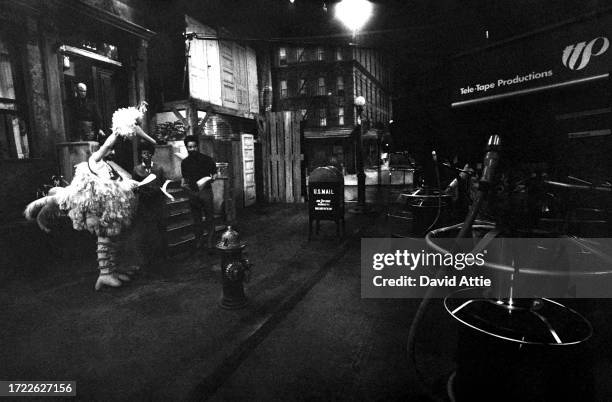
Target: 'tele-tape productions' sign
564, 55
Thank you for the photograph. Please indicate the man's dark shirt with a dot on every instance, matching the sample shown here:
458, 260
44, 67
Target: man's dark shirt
151, 199
87, 110
86, 119
151, 189
196, 166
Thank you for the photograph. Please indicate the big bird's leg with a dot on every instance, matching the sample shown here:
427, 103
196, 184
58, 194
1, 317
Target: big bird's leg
113, 259
106, 265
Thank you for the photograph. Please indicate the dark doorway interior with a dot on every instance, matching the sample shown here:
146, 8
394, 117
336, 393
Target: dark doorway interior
107, 87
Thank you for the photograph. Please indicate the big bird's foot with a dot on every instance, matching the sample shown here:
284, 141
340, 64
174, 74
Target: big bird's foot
123, 277
107, 279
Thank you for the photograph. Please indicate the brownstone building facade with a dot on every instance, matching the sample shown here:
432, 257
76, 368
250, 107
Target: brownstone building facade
321, 83
46, 49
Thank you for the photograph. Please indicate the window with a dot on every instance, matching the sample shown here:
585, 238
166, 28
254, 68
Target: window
282, 56
340, 116
322, 118
340, 85
320, 53
283, 89
338, 53
300, 55
361, 86
302, 87
321, 86
14, 142
227, 72
375, 66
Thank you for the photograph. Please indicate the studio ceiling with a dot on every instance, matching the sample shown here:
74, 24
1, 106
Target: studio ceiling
419, 35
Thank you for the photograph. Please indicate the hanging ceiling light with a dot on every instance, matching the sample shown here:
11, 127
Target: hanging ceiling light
354, 13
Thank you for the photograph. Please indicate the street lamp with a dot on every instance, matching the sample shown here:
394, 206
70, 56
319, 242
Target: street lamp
361, 205
354, 13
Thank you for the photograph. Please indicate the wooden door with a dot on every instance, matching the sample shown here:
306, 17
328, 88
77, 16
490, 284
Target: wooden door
105, 95
248, 169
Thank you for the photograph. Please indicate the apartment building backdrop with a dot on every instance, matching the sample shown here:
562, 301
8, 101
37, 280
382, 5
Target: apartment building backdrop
321, 83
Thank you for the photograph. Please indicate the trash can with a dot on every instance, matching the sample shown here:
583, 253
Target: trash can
326, 198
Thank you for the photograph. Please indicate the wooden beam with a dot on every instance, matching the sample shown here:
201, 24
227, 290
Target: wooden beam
201, 125
181, 118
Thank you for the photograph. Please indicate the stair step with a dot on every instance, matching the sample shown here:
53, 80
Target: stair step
181, 245
177, 200
179, 213
190, 237
184, 241
178, 207
175, 236
185, 237
178, 224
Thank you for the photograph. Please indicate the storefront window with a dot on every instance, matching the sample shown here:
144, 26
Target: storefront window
14, 141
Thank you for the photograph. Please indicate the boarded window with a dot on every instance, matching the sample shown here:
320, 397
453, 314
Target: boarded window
240, 63
227, 72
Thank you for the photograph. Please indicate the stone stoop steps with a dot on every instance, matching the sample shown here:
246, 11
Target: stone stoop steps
179, 229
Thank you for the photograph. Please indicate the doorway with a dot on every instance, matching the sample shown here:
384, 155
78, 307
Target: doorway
107, 90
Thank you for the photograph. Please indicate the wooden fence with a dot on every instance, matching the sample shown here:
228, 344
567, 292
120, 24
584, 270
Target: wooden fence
281, 156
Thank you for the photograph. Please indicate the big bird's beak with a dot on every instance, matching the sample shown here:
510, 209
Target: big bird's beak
144, 135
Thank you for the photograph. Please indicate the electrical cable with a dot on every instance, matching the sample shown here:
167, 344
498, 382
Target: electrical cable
411, 344
437, 170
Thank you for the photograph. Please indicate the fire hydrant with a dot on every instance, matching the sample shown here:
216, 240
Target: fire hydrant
235, 270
